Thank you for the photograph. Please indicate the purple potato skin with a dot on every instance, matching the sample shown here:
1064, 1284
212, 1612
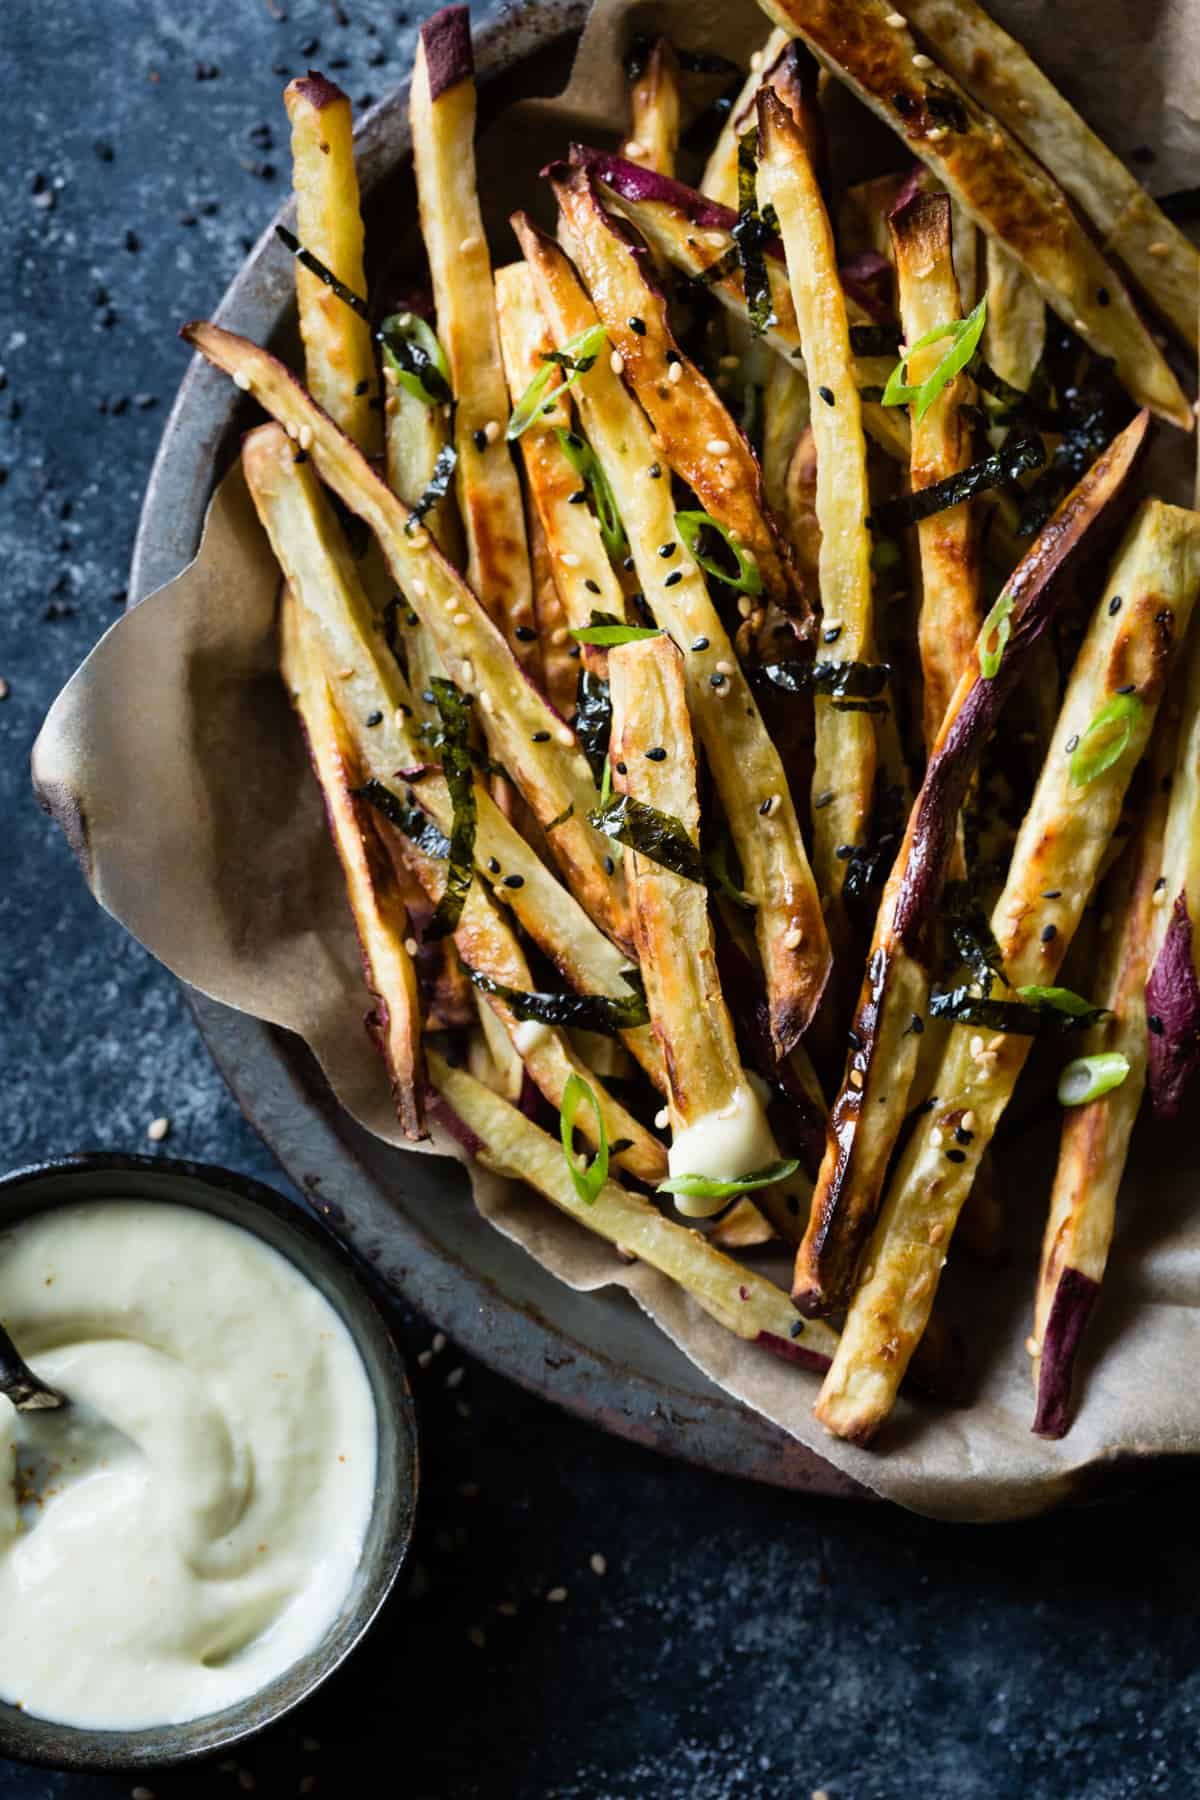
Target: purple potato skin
1074, 1296
793, 1352
446, 40
318, 90
440, 1109
1173, 1015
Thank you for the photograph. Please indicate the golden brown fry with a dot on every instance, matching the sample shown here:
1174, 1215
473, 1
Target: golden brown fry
950, 614
846, 747
654, 111
1001, 75
379, 913
442, 109
337, 342
1014, 334
983, 167
1059, 852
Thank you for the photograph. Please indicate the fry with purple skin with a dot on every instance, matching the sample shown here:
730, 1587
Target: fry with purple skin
1095, 1135
872, 1103
537, 748
719, 1126
697, 436
993, 177
380, 917
442, 109
654, 111
1173, 986
950, 615
338, 349
1001, 75
1107, 716
790, 933
504, 1140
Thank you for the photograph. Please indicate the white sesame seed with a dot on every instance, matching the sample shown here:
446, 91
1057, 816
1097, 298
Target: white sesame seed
616, 362
936, 1138
896, 20
936, 133
662, 1118
157, 1130
467, 671
1032, 1346
717, 446
454, 1378
724, 668
564, 735
1026, 106
633, 150
486, 701
418, 538
1158, 249
997, 140
968, 1120
438, 1342
241, 381
390, 375
556, 1596
977, 1046
345, 674
793, 938
391, 406
921, 61
491, 430
1078, 327
460, 618
468, 245
570, 560
418, 587
996, 1045
405, 321
675, 372
869, 1272
716, 240
745, 605
597, 1563
756, 60
855, 1079
306, 437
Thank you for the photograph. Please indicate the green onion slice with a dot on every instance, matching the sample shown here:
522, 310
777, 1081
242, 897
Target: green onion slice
1106, 738
1059, 999
582, 459
720, 860
576, 357
592, 1179
606, 628
1089, 1077
965, 335
411, 350
703, 1187
996, 631
691, 525
460, 779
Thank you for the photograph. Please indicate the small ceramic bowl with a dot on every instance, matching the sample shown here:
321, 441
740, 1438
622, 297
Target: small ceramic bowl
321, 1259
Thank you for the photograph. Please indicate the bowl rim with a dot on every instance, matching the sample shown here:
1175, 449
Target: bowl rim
73, 1747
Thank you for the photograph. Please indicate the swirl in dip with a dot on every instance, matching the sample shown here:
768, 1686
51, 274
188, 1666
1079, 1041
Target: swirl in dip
183, 1577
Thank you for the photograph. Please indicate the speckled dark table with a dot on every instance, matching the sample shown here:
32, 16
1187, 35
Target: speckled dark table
740, 1642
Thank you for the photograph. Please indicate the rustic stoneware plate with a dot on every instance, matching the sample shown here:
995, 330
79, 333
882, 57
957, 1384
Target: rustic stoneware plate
594, 1354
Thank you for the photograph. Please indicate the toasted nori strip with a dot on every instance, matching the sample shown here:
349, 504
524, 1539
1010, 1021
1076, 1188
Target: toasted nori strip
1012, 459
316, 267
593, 721
973, 937
590, 1012
844, 680
438, 487
653, 834
460, 779
868, 864
417, 362
406, 817
751, 235
1024, 1018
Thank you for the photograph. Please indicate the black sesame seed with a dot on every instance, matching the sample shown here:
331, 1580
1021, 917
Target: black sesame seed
541, 737
962, 1135
917, 1024
493, 865
301, 456
1052, 894
956, 1156
1155, 1024
793, 1206
667, 549
1114, 605
479, 439
1049, 933
360, 388
374, 718
524, 634
427, 696
673, 578
622, 769
1129, 688
577, 498
411, 618
904, 104
609, 865
593, 587
844, 852
655, 471
673, 356
658, 754
823, 800
514, 881
699, 644
1073, 741
627, 564
766, 806
1103, 297
1164, 617
717, 681
797, 1328
132, 242
832, 635
573, 650
638, 325
827, 396
854, 1039
575, 441
1160, 884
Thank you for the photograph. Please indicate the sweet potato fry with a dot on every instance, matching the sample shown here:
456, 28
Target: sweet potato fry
980, 163
870, 1108
1173, 985
1107, 716
719, 180
654, 111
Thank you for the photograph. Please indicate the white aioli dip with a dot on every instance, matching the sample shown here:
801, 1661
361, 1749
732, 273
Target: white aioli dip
723, 1145
185, 1577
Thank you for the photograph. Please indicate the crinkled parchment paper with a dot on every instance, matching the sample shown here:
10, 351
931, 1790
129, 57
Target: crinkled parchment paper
173, 764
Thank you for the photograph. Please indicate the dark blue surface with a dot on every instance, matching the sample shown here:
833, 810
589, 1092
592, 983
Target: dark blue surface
741, 1642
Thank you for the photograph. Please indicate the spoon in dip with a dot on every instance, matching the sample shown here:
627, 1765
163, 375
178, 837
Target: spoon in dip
59, 1436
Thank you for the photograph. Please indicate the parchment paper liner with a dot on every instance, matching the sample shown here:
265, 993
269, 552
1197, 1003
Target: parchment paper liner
172, 762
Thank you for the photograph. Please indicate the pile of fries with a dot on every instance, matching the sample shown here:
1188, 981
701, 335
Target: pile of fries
749, 693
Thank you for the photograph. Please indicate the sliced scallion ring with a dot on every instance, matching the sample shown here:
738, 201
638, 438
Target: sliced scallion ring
1090, 1077
608, 630
1106, 738
704, 1187
576, 357
965, 334
691, 525
588, 1182
412, 352
998, 627
583, 460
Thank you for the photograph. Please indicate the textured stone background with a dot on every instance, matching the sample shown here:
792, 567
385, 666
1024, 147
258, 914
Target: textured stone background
741, 1643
